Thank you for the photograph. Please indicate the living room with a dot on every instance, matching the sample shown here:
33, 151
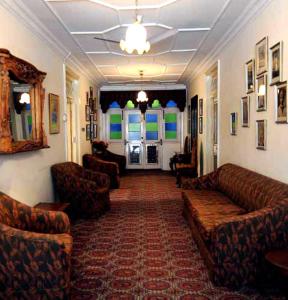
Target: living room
188, 133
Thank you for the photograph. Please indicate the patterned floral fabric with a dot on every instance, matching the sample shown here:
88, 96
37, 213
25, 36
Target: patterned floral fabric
238, 241
35, 252
109, 168
86, 190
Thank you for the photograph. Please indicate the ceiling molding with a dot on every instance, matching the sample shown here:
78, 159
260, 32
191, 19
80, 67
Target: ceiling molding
144, 55
135, 87
211, 58
118, 7
26, 17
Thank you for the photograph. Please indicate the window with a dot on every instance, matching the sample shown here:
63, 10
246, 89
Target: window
156, 104
171, 104
114, 104
115, 126
130, 104
151, 127
170, 125
134, 127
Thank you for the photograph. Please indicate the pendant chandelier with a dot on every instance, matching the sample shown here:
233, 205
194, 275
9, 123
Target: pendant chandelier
142, 96
136, 37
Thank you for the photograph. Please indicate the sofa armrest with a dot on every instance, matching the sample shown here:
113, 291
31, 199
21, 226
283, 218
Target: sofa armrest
99, 165
101, 180
34, 260
239, 244
206, 182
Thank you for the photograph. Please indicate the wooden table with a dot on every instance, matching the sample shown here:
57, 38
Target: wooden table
54, 206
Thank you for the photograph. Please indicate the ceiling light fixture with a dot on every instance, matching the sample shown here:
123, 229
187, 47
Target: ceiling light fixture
25, 98
142, 96
136, 37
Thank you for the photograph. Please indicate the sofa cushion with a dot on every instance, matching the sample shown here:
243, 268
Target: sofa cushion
248, 189
209, 209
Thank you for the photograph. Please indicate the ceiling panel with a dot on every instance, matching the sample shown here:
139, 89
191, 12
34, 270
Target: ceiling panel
109, 59
129, 16
89, 44
188, 40
175, 69
85, 15
109, 70
174, 58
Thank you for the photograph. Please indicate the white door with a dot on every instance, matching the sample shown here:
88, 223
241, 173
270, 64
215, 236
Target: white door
143, 139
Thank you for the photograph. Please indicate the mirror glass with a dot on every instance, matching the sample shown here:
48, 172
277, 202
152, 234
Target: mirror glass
20, 111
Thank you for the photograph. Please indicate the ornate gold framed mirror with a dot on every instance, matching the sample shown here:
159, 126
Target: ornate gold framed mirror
22, 99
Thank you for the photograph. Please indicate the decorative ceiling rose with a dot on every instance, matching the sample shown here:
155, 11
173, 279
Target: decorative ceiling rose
136, 38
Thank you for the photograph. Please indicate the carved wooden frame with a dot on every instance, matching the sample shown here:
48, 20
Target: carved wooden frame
27, 73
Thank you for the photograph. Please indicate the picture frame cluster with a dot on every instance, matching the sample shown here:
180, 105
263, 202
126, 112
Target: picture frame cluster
260, 73
91, 113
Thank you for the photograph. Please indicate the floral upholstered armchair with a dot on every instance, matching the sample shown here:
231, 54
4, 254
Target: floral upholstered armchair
99, 149
94, 163
35, 252
87, 191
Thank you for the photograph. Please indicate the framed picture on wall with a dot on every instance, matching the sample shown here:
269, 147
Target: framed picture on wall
87, 113
276, 63
94, 131
189, 119
261, 101
245, 111
54, 121
281, 103
88, 132
233, 123
200, 125
262, 56
201, 107
95, 116
250, 76
261, 134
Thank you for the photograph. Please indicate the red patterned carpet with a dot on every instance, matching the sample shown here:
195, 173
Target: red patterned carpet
143, 249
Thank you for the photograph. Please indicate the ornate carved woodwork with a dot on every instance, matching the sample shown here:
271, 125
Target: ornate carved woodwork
14, 68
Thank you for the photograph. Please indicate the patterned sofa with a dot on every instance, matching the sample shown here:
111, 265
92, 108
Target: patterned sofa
87, 191
236, 216
35, 252
94, 163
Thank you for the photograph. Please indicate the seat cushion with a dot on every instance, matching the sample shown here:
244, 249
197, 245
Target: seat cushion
209, 209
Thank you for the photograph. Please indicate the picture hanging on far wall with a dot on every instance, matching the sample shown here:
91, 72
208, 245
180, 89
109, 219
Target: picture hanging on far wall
249, 76
262, 56
200, 125
87, 113
88, 132
233, 123
261, 101
95, 116
54, 122
275, 62
281, 103
245, 111
201, 107
94, 131
261, 134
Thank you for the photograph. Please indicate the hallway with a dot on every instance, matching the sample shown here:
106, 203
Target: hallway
142, 248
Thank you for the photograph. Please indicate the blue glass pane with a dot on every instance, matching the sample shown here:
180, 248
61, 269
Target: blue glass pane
134, 136
151, 135
170, 126
151, 118
28, 106
171, 103
114, 105
115, 127
134, 118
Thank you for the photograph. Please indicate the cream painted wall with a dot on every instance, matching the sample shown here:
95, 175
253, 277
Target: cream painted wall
26, 176
241, 149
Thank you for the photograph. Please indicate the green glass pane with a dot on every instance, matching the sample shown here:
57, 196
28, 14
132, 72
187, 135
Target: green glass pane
130, 104
156, 104
29, 119
170, 117
151, 126
170, 135
134, 127
115, 135
115, 119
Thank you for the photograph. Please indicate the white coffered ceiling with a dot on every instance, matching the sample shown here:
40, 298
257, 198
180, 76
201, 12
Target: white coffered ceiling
182, 33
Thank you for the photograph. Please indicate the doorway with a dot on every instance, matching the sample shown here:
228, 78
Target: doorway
143, 139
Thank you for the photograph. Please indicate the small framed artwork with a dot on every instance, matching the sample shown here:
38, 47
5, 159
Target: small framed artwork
88, 132
201, 107
87, 98
54, 122
245, 111
275, 63
87, 113
94, 131
94, 105
262, 56
261, 134
95, 116
281, 103
200, 125
233, 123
261, 103
189, 119
249, 76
